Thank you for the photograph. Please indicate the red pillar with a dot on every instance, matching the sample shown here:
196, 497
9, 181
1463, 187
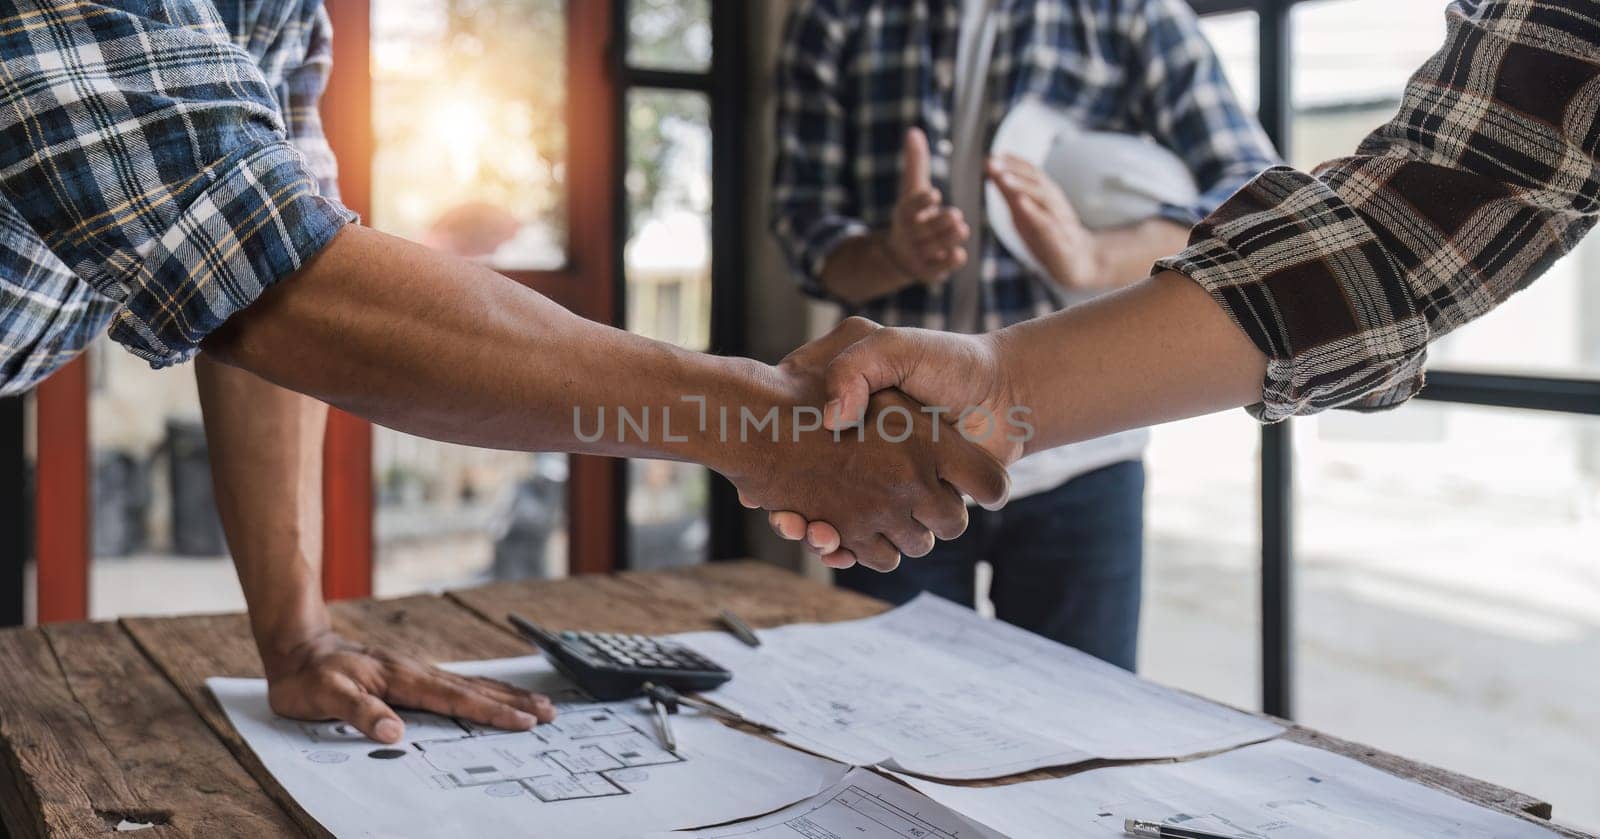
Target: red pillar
61, 506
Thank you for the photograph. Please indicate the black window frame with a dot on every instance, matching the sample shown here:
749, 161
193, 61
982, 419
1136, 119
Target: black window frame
725, 85
1566, 395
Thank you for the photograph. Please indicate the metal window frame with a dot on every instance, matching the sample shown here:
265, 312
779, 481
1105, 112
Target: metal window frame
724, 84
1577, 396
16, 511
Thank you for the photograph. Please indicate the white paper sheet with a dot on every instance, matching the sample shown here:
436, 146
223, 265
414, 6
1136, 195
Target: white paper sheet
936, 690
864, 805
598, 771
1274, 790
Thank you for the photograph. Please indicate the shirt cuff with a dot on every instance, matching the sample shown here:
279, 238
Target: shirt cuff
257, 223
1264, 257
820, 240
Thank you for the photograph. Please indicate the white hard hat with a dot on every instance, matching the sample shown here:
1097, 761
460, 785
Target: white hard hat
1111, 178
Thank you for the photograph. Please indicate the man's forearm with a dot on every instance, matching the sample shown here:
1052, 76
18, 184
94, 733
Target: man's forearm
1157, 351
445, 349
860, 270
266, 463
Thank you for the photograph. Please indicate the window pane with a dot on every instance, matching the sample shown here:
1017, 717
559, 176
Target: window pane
469, 100
450, 516
1352, 61
668, 264
670, 34
1236, 38
157, 541
1201, 625
1446, 584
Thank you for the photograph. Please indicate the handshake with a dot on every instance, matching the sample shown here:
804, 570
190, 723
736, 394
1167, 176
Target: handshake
886, 430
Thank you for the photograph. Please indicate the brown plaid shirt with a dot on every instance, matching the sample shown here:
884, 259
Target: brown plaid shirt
1484, 178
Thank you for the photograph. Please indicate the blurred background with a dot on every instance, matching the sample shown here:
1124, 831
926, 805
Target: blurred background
1431, 572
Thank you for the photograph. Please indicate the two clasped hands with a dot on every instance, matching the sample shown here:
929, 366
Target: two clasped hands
908, 457
865, 370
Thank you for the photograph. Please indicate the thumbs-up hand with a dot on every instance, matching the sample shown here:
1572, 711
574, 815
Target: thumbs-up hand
925, 239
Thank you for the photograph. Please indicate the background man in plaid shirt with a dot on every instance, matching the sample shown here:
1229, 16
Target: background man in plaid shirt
1306, 291
162, 171
886, 110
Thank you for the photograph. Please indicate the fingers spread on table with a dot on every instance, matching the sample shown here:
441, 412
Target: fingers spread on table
369, 714
432, 691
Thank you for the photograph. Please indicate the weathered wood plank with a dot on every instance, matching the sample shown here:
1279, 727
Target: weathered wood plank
66, 779
428, 627
190, 649
16, 818
172, 760
764, 595
596, 603
681, 600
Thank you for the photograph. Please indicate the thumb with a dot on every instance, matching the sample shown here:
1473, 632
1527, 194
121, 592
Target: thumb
862, 369
914, 166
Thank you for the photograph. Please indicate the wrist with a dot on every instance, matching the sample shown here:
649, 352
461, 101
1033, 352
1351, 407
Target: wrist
742, 391
1081, 261
1005, 360
899, 267
284, 630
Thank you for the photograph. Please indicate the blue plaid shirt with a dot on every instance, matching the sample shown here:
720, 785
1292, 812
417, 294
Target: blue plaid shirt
855, 74
161, 165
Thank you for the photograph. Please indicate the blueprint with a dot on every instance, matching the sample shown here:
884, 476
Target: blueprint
864, 805
597, 771
1274, 790
933, 689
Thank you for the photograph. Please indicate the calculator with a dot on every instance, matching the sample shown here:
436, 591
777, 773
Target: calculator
610, 666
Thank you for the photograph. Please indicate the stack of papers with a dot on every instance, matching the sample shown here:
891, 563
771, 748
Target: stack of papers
862, 805
934, 689
928, 691
1276, 790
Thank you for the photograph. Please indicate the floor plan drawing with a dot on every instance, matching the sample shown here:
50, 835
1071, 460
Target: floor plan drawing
583, 754
598, 770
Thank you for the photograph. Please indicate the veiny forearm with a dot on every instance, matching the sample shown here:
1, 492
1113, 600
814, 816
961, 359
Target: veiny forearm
266, 465
1126, 253
859, 270
1157, 351
443, 348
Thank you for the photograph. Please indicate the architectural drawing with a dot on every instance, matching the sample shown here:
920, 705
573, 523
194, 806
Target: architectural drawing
597, 772
573, 758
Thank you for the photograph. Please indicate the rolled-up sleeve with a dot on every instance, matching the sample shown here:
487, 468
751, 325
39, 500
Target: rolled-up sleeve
1484, 178
812, 208
151, 158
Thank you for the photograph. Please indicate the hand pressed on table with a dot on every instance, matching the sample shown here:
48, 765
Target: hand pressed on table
328, 677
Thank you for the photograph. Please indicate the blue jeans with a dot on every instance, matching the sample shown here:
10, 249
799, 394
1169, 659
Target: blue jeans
1067, 563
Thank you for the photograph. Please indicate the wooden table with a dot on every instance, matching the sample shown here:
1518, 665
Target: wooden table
110, 721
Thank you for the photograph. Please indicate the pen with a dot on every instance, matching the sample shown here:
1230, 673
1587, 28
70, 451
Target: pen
669, 699
1157, 830
739, 628
664, 725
